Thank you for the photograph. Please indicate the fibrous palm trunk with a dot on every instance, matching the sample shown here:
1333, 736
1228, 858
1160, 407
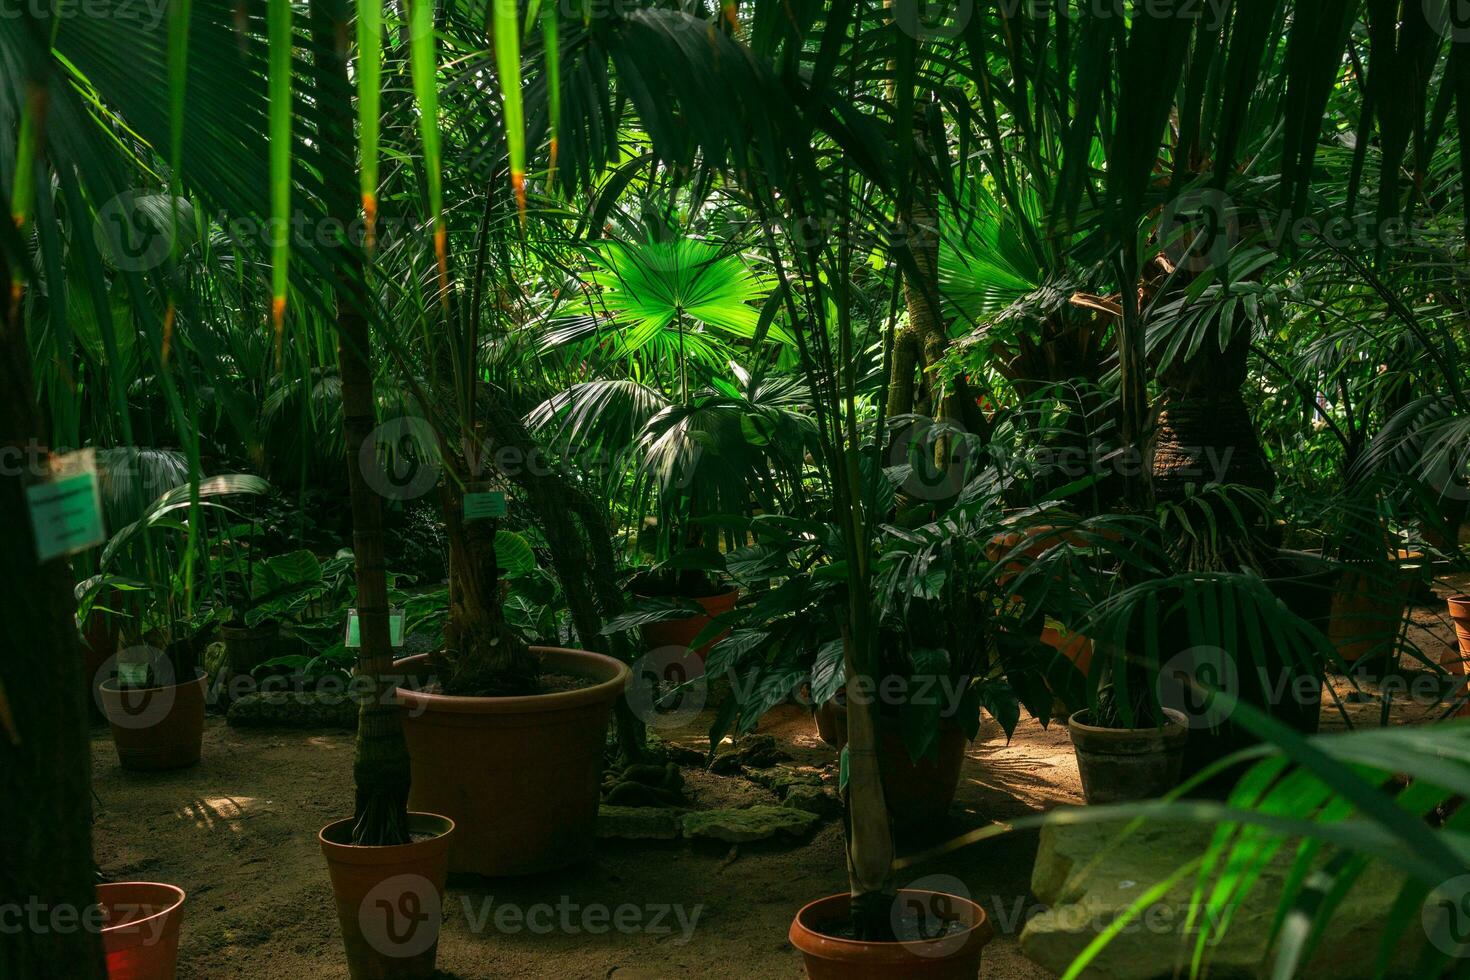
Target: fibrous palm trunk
381, 764
45, 759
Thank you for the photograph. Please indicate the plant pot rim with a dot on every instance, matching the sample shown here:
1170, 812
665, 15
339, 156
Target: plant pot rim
418, 821
1458, 598
1179, 720
722, 594
174, 891
615, 678
812, 941
110, 687
240, 626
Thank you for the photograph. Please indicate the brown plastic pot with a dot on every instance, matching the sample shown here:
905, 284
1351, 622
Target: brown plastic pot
950, 956
156, 728
1118, 765
519, 776
140, 932
1457, 658
918, 793
390, 900
1367, 608
681, 632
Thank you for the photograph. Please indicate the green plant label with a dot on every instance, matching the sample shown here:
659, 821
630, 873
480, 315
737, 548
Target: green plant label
66, 510
396, 618
482, 506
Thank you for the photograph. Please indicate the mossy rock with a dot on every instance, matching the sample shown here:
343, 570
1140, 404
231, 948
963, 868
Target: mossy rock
749, 824
779, 779
813, 799
293, 710
637, 823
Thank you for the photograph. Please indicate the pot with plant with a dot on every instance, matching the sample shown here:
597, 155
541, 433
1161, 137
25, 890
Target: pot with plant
703, 435
154, 700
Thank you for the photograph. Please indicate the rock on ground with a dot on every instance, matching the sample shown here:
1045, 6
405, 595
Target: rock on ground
752, 823
1088, 875
637, 823
294, 710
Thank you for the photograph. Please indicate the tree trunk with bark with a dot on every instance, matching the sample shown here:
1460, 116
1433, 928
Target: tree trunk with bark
45, 754
381, 764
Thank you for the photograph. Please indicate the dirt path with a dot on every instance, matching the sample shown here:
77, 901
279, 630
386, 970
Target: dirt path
238, 832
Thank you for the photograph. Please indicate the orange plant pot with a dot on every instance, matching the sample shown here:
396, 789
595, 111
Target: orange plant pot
1366, 612
1456, 657
156, 728
140, 936
390, 900
681, 632
932, 952
520, 776
1074, 646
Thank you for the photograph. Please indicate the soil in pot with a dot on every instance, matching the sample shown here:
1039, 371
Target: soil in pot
939, 937
1118, 765
529, 801
156, 727
682, 632
390, 900
140, 932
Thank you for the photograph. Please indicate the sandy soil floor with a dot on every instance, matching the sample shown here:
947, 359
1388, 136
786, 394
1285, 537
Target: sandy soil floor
238, 833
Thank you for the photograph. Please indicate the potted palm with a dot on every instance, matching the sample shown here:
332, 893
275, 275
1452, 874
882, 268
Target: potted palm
704, 436
155, 700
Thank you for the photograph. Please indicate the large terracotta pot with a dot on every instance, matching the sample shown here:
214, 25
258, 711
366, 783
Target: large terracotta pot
140, 935
1072, 645
927, 948
1367, 608
519, 776
1457, 658
1119, 765
918, 793
390, 900
156, 728
682, 632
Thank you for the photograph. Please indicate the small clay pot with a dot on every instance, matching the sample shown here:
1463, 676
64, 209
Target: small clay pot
156, 728
140, 935
940, 938
682, 632
520, 776
1457, 658
1367, 608
1118, 765
390, 900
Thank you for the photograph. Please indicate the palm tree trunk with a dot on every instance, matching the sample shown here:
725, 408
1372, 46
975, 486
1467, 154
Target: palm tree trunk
381, 764
45, 756
1204, 432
